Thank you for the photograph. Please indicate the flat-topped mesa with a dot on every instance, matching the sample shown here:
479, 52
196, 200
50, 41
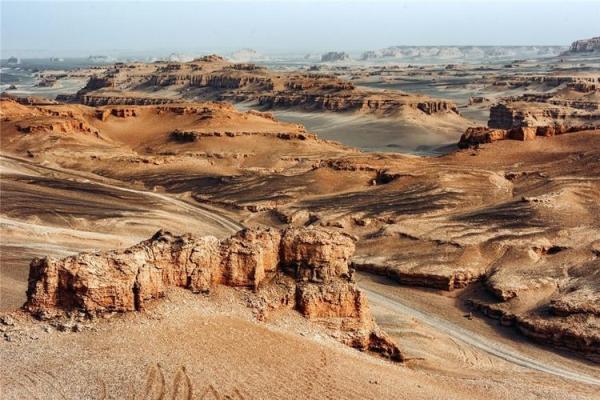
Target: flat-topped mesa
333, 56
313, 264
531, 114
523, 120
585, 45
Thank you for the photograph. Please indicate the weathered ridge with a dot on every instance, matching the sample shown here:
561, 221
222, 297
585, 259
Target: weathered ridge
301, 269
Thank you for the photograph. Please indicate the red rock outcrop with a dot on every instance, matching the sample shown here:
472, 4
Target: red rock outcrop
313, 263
585, 45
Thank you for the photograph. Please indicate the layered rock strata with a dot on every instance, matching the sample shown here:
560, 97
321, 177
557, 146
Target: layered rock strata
302, 269
517, 114
574, 331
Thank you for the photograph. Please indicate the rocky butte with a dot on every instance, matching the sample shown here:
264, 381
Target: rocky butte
296, 268
585, 45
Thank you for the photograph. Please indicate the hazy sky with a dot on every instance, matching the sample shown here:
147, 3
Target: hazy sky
116, 27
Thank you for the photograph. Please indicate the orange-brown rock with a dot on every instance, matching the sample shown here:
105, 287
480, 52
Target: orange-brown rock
523, 133
123, 112
320, 286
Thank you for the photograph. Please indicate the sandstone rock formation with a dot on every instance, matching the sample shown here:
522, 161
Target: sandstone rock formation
95, 101
474, 136
312, 263
532, 115
442, 53
521, 113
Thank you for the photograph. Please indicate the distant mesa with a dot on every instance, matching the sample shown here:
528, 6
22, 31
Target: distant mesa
13, 60
99, 59
334, 56
585, 45
244, 55
174, 57
211, 58
462, 52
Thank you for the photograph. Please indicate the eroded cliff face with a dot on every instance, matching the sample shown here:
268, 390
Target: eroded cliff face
357, 101
585, 45
215, 78
104, 100
531, 114
298, 268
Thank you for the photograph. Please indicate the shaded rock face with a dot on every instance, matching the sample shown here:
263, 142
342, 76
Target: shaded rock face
533, 114
477, 135
335, 56
481, 134
316, 255
312, 263
586, 45
357, 101
225, 81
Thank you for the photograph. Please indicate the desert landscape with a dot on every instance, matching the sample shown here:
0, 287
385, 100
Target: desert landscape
402, 222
